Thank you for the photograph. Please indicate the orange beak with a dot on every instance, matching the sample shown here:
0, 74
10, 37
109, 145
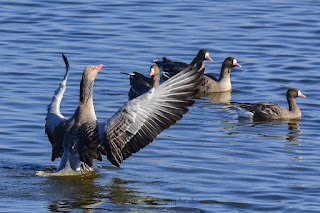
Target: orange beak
236, 65
151, 72
99, 67
208, 58
302, 95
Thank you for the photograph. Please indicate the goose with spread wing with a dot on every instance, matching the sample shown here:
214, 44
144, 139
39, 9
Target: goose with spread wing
81, 139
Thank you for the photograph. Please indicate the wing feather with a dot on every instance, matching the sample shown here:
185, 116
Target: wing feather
54, 117
142, 119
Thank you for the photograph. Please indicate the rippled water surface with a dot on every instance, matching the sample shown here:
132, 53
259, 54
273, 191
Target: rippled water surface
210, 161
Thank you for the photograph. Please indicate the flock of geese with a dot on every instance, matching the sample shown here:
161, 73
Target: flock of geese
155, 103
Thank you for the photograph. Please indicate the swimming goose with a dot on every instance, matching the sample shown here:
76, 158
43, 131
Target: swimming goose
270, 111
80, 139
141, 84
211, 84
171, 68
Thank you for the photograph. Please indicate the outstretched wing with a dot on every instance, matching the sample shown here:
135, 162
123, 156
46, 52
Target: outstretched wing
139, 121
54, 117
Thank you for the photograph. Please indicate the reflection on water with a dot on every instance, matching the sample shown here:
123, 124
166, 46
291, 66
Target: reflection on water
73, 192
90, 191
218, 97
273, 129
294, 131
120, 193
209, 155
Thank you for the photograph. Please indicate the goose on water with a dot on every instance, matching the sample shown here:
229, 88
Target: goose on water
271, 111
141, 84
211, 84
81, 139
171, 68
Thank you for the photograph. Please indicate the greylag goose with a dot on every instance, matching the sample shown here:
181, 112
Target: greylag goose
80, 139
211, 84
270, 111
141, 84
171, 68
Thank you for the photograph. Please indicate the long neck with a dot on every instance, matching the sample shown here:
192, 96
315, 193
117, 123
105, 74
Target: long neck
193, 62
293, 107
155, 80
86, 108
86, 89
225, 72
198, 62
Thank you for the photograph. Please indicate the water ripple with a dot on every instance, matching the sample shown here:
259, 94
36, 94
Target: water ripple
210, 160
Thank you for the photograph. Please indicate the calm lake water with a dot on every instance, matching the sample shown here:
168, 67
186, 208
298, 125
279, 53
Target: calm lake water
210, 161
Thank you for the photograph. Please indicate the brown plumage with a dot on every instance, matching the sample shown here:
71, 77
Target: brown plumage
271, 111
80, 139
211, 84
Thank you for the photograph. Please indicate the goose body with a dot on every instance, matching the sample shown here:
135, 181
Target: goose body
211, 84
80, 139
141, 84
171, 68
271, 111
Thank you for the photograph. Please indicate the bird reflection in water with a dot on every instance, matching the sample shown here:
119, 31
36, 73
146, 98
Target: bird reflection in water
218, 97
266, 128
91, 192
72, 192
294, 131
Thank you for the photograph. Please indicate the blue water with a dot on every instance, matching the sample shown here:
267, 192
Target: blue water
210, 161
